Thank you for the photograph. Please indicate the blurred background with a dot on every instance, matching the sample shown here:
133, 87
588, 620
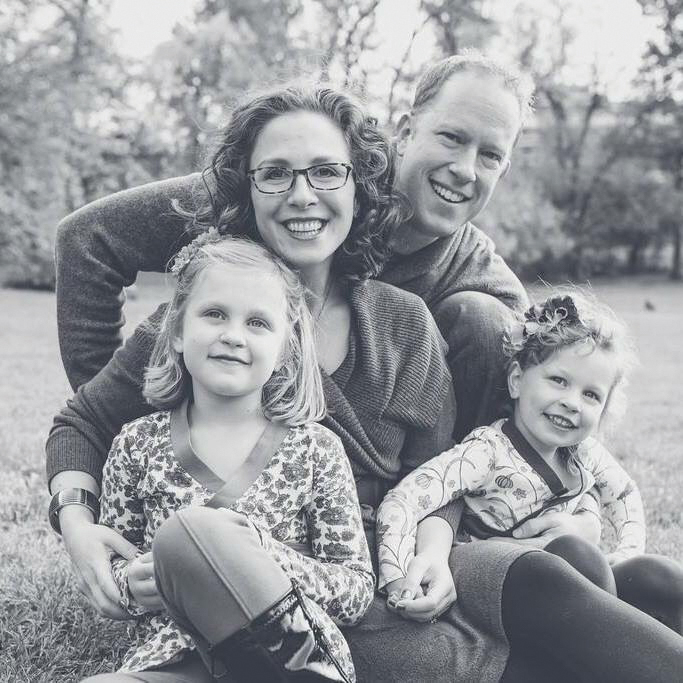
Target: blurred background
101, 95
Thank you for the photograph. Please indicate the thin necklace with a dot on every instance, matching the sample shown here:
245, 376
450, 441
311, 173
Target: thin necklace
326, 296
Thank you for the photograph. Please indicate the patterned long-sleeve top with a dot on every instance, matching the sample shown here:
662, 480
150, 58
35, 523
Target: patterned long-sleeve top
304, 496
504, 482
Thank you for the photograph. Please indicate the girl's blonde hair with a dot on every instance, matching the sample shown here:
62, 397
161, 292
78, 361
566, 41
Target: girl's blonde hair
294, 393
569, 316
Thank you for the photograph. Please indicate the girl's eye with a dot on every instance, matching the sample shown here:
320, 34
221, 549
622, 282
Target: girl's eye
213, 313
593, 396
259, 323
558, 380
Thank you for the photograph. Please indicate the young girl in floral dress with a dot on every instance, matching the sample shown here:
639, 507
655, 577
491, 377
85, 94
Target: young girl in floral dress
568, 362
235, 372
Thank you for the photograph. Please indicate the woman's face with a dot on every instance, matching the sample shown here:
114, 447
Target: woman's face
302, 225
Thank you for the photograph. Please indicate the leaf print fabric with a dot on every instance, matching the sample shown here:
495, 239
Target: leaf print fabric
305, 496
501, 490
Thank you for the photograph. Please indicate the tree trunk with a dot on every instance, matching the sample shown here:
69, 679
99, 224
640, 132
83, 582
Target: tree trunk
676, 259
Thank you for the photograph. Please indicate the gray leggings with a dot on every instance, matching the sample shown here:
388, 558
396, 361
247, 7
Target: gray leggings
239, 580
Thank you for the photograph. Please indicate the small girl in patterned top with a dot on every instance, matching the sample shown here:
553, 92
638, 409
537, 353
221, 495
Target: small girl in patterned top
568, 361
236, 443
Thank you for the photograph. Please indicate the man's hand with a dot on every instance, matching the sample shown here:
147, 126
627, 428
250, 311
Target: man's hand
142, 584
90, 547
538, 532
426, 592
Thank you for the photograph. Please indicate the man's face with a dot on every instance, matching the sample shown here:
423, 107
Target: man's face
454, 150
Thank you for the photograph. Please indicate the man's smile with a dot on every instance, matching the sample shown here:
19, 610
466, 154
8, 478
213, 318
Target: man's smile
448, 195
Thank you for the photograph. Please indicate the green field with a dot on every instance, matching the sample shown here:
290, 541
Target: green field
49, 634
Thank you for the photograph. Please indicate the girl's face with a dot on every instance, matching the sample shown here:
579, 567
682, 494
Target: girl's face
302, 225
233, 334
560, 402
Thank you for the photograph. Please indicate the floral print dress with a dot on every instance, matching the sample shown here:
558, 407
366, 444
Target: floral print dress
302, 502
504, 482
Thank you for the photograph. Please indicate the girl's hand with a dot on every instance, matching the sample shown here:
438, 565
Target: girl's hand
427, 590
541, 530
141, 582
90, 547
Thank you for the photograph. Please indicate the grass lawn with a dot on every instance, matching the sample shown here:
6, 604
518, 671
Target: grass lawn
49, 634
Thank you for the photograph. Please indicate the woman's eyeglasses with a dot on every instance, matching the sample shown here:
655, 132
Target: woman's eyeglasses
277, 179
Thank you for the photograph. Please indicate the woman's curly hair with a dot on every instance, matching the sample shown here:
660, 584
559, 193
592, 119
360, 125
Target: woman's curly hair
379, 208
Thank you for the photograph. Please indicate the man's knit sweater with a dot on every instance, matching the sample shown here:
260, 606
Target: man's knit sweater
102, 247
390, 401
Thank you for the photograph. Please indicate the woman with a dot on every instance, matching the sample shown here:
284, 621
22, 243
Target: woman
389, 400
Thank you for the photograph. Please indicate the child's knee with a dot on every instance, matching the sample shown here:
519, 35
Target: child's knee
661, 577
586, 558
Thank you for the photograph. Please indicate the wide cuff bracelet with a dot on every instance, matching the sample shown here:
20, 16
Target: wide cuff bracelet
72, 497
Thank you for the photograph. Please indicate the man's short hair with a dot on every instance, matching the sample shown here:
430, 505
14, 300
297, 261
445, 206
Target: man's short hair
434, 77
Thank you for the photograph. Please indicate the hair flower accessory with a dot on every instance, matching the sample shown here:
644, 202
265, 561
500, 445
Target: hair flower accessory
189, 251
541, 319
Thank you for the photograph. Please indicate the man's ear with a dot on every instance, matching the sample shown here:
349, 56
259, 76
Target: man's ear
514, 378
404, 130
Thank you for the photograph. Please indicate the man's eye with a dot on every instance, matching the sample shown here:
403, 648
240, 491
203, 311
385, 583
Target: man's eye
450, 137
493, 156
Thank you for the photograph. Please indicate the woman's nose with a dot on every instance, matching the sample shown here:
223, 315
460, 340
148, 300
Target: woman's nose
302, 194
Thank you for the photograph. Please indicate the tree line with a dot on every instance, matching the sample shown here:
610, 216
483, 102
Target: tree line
596, 185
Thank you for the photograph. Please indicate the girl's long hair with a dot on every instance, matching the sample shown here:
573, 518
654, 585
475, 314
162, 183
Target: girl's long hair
293, 394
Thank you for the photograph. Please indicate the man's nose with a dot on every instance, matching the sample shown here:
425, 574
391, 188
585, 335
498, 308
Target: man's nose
464, 165
302, 194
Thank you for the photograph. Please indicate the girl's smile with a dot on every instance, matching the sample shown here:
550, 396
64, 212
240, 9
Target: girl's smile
560, 402
234, 330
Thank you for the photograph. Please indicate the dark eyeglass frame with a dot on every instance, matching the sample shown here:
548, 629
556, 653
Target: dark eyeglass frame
304, 172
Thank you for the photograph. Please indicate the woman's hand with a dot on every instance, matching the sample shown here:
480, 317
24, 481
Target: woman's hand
426, 592
538, 532
141, 582
90, 547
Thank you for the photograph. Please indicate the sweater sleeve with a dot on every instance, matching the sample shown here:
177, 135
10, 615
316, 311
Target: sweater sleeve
462, 469
621, 503
122, 511
83, 430
99, 250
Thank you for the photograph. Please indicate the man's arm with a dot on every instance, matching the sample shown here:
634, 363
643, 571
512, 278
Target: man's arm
99, 250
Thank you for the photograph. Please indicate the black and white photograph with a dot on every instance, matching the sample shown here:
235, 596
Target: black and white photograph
340, 341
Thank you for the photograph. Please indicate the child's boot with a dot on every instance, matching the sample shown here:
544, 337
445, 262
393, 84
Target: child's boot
286, 644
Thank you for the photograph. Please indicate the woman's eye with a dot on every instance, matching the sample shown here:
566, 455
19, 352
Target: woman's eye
326, 171
274, 173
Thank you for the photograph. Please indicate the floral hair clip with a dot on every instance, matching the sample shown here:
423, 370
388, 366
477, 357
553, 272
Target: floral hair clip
542, 318
189, 251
